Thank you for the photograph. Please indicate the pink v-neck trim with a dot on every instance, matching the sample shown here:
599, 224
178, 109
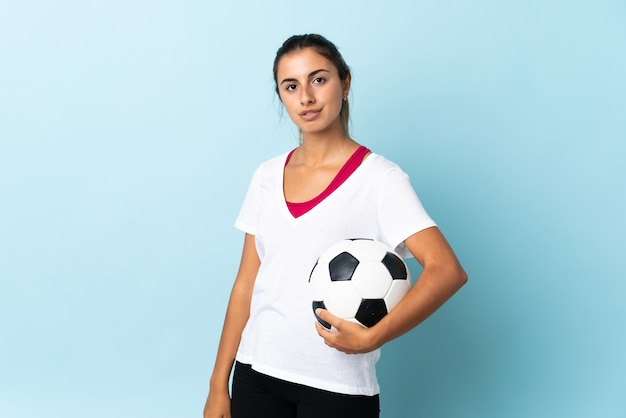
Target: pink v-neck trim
300, 208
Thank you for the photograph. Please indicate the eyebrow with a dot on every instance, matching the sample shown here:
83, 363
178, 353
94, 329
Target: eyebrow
311, 74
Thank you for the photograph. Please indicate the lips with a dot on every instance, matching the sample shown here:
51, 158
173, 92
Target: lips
310, 114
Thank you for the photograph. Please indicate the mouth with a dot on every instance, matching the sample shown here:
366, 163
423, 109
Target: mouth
310, 114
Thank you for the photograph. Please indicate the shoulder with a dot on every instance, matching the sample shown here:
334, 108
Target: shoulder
277, 161
272, 166
386, 174
379, 165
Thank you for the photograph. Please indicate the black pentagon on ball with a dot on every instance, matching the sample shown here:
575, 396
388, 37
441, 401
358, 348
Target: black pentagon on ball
371, 311
395, 265
342, 267
320, 304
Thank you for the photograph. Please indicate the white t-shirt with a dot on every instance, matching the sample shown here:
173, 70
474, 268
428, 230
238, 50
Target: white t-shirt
378, 202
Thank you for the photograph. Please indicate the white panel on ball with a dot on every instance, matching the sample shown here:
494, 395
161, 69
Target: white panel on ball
372, 279
342, 299
365, 250
398, 289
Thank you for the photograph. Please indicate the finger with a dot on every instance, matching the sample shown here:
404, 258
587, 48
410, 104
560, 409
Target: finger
320, 328
323, 332
328, 317
329, 335
321, 321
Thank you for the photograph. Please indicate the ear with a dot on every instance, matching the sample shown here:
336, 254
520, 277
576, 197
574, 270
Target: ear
346, 85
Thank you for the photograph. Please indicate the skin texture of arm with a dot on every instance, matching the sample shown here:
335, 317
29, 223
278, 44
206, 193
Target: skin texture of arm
218, 401
441, 277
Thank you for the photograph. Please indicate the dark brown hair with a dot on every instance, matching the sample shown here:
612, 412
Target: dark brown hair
326, 49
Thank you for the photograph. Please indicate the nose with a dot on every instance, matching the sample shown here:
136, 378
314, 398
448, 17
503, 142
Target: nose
306, 97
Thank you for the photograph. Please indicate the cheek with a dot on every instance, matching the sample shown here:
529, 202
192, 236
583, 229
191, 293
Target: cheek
336, 101
282, 100
335, 96
290, 105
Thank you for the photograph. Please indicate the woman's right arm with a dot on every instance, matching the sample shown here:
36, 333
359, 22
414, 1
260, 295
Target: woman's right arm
218, 401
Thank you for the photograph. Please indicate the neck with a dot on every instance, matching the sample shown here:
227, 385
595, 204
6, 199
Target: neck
320, 150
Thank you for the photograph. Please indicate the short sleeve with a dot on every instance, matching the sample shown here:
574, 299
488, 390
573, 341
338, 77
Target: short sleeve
248, 214
401, 212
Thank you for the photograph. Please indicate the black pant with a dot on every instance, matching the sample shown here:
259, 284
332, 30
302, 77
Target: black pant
256, 395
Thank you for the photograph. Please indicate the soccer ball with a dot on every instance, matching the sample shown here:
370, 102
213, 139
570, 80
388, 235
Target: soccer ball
359, 280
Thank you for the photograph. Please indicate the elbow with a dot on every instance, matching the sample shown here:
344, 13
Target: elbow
456, 275
452, 274
461, 277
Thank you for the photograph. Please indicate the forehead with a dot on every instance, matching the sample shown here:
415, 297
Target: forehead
302, 62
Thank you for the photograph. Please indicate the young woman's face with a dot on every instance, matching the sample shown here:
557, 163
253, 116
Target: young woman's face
311, 90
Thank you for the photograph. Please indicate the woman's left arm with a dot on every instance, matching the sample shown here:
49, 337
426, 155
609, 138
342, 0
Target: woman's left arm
441, 277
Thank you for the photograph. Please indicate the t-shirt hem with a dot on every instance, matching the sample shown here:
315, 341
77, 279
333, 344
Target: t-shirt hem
399, 240
244, 227
308, 381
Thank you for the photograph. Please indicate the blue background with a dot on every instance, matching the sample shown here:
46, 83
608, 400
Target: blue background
128, 134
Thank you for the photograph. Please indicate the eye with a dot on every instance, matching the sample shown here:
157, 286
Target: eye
319, 80
290, 87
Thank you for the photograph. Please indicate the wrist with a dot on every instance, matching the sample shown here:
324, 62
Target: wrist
378, 335
218, 391
221, 375
218, 383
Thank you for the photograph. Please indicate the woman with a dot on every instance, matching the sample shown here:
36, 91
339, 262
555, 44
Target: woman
328, 189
